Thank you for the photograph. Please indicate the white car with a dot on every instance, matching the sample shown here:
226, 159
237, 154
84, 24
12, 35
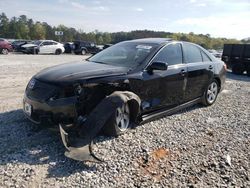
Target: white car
43, 47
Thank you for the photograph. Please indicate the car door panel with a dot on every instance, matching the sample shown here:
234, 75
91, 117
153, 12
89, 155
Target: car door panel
199, 74
43, 48
174, 85
148, 88
200, 71
164, 88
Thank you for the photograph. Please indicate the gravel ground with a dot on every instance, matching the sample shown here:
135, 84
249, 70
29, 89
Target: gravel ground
197, 147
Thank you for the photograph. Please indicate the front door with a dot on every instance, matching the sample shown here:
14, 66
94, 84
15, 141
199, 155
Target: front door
164, 88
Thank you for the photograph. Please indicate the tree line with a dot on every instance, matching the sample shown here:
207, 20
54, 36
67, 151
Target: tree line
23, 27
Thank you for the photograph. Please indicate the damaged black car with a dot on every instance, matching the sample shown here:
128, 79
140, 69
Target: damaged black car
126, 84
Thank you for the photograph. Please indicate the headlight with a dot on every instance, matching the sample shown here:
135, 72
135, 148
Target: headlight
31, 83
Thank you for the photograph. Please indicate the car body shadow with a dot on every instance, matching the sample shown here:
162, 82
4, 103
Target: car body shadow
24, 142
243, 78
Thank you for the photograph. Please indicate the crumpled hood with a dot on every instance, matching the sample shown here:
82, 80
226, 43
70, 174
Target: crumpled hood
29, 45
72, 72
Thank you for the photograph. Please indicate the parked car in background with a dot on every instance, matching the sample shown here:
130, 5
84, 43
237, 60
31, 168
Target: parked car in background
5, 46
43, 47
215, 53
17, 44
68, 46
85, 47
237, 57
107, 46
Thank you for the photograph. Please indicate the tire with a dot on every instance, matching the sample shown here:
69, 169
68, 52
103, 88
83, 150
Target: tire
58, 51
83, 52
238, 69
5, 51
211, 93
119, 123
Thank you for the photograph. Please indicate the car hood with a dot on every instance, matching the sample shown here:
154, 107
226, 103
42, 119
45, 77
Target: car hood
29, 45
78, 71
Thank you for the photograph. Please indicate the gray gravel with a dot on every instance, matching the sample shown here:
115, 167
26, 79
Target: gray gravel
197, 147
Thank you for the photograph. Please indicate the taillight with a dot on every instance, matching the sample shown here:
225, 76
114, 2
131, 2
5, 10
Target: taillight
225, 66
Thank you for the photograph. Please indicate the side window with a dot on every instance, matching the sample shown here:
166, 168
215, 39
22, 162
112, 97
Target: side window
172, 54
192, 53
205, 57
46, 43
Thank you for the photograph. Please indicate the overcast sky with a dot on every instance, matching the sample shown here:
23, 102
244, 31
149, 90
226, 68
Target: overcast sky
220, 18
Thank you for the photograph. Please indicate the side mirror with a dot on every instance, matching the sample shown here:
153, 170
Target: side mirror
158, 65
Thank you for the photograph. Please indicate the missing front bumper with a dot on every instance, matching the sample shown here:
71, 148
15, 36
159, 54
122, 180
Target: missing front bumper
82, 151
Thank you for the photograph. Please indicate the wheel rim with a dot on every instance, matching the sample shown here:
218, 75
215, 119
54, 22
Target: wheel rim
122, 117
83, 52
212, 92
4, 51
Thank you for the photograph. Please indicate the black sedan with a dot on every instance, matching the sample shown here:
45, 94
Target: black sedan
137, 80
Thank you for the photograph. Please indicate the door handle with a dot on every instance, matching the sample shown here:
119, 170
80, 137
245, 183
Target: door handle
210, 67
182, 73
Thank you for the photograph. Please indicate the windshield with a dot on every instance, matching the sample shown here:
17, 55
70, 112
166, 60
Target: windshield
125, 54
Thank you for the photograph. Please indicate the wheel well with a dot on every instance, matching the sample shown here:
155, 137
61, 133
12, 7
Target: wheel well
134, 109
219, 82
85, 49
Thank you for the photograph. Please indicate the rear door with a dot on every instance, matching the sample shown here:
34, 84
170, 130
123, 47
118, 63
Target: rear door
52, 47
200, 70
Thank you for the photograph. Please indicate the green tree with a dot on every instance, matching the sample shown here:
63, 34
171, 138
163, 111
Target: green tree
4, 25
38, 31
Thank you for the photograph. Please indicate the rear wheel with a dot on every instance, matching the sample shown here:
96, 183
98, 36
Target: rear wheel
58, 52
238, 68
119, 122
5, 51
211, 93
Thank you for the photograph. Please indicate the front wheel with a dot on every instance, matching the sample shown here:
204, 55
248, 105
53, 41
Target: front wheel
119, 122
211, 93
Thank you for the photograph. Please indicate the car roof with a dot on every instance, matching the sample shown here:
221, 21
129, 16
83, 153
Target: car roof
153, 40
47, 40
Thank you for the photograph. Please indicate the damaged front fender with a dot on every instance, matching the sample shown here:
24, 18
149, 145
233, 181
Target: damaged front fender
79, 146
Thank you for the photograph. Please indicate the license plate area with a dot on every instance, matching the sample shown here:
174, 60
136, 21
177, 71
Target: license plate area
27, 108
